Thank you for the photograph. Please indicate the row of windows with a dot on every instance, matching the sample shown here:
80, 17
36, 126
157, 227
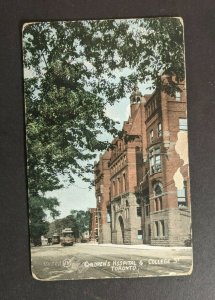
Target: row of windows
119, 185
182, 127
158, 203
181, 196
117, 166
152, 106
120, 146
159, 132
159, 230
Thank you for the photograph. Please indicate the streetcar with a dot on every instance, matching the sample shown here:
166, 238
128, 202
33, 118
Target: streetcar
55, 239
67, 238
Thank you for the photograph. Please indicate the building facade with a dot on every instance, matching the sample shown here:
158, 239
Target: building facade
102, 189
148, 172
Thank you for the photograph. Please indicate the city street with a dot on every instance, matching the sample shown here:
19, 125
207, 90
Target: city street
85, 261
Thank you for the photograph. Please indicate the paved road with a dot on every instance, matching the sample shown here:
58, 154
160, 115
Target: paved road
96, 261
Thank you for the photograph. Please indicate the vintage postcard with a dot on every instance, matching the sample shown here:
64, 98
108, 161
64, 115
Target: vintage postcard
107, 148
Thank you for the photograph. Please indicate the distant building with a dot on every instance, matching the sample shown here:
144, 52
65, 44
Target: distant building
147, 175
93, 226
102, 188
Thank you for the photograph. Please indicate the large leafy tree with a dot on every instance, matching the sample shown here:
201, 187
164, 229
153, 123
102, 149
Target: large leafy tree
38, 206
82, 221
72, 71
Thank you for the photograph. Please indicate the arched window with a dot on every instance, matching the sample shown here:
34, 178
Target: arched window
158, 191
158, 188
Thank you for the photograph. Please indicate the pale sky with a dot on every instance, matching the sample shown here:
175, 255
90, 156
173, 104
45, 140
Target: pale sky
77, 196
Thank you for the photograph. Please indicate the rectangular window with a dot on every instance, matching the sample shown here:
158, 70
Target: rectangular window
147, 210
139, 234
162, 228
151, 135
108, 218
155, 161
139, 211
159, 129
177, 96
158, 204
181, 195
183, 124
156, 229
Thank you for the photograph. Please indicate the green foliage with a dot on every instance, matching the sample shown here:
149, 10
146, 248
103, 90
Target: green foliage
37, 207
73, 76
58, 225
76, 69
78, 220
82, 219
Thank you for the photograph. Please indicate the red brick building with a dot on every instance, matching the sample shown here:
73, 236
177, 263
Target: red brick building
148, 175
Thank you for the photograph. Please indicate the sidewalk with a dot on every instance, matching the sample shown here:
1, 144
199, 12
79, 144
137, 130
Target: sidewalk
143, 247
138, 247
